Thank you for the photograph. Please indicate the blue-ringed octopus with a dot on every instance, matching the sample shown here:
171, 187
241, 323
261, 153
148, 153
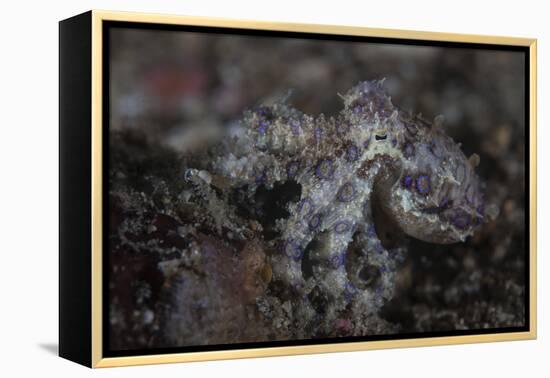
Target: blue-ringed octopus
327, 252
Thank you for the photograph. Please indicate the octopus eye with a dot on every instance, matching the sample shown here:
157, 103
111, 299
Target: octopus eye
346, 193
324, 169
423, 184
380, 137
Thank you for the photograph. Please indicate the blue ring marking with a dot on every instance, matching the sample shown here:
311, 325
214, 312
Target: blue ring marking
338, 260
423, 184
305, 207
314, 222
324, 169
293, 250
346, 193
342, 227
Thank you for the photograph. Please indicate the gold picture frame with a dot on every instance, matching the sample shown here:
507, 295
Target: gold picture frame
93, 25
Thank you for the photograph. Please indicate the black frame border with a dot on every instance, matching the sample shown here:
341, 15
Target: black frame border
75, 194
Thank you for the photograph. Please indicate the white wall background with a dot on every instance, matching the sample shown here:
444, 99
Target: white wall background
28, 188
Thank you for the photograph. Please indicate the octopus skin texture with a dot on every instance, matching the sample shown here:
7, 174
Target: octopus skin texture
332, 272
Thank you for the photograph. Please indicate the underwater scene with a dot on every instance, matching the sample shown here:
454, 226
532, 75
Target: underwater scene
269, 188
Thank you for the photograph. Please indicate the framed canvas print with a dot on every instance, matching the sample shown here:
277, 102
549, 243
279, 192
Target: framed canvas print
235, 189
